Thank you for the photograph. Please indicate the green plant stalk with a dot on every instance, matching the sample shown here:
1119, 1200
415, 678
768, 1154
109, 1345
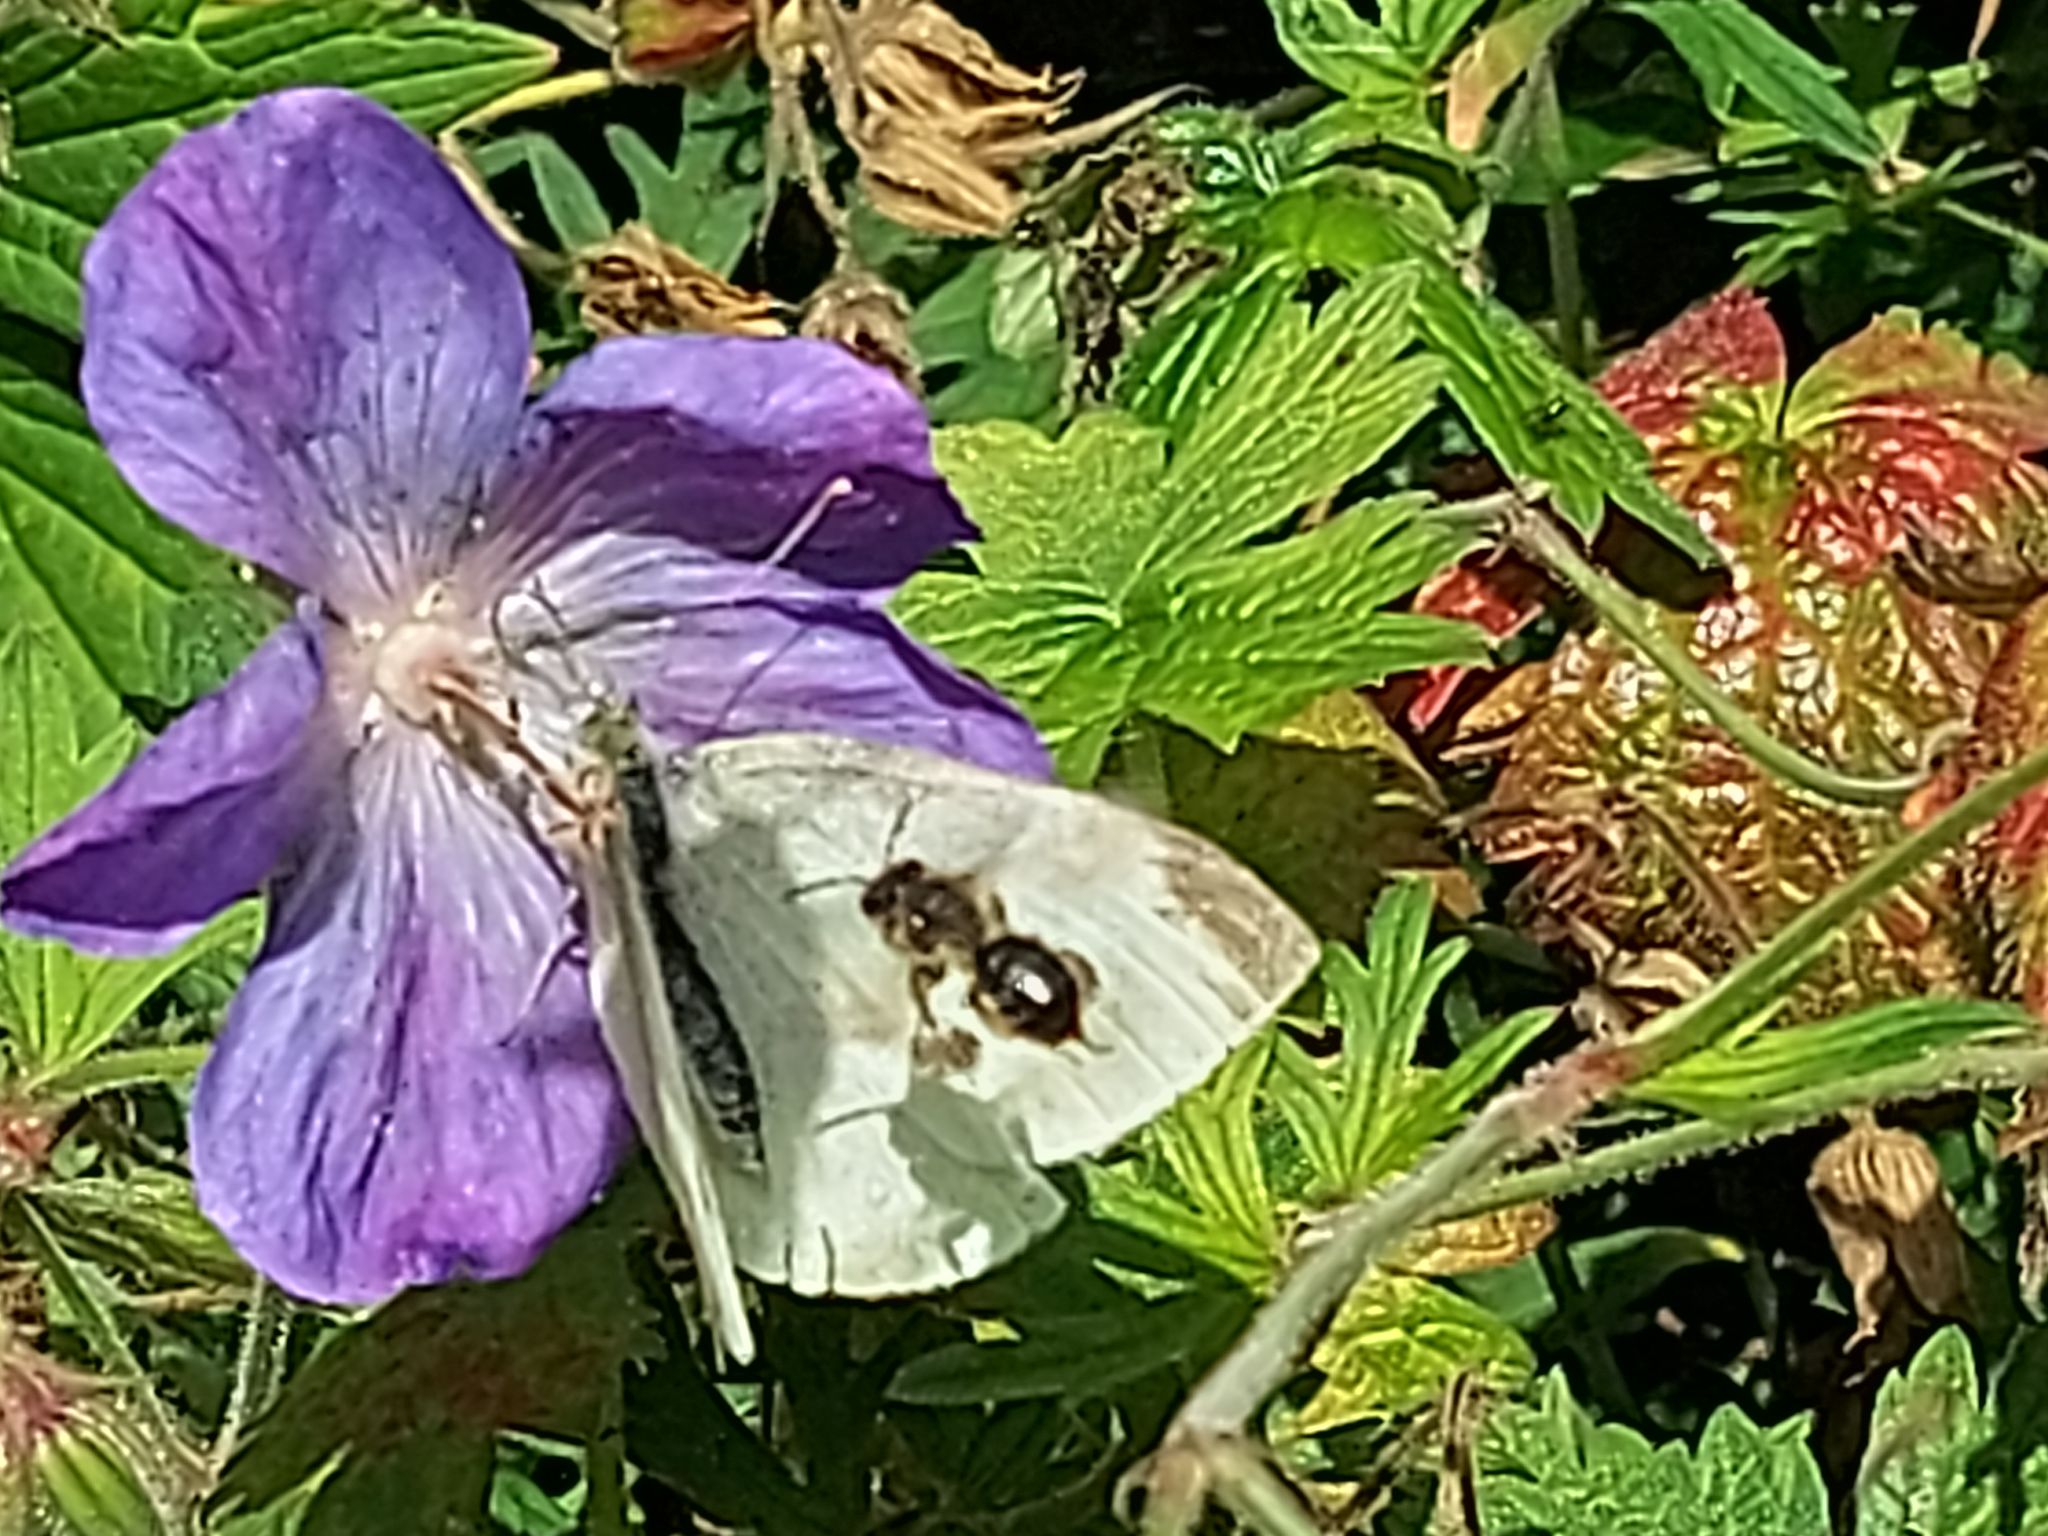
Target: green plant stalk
1758, 981
2022, 239
1560, 226
1967, 1070
1211, 1423
604, 1466
1636, 620
137, 1068
259, 1365
155, 1426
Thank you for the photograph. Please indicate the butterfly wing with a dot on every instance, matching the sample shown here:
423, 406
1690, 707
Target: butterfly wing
634, 1017
871, 1183
1185, 954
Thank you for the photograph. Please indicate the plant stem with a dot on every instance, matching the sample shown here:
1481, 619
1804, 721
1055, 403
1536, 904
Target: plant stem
1637, 621
604, 1465
2024, 240
1639, 1156
258, 1365
171, 1457
1205, 1433
1560, 227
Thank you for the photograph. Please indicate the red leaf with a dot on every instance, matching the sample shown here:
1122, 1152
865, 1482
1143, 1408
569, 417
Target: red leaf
1498, 591
1729, 342
1903, 432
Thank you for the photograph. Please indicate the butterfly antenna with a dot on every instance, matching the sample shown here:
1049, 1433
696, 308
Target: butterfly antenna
838, 488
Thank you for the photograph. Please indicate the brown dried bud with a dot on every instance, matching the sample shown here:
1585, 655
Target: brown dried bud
866, 316
26, 1136
637, 283
943, 121
690, 40
1879, 1194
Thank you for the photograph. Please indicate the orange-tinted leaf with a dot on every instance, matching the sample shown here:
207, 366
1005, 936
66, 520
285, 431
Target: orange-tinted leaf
1727, 345
1903, 431
1495, 60
1640, 817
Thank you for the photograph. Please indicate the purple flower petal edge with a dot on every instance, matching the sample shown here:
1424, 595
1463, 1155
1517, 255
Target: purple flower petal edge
196, 822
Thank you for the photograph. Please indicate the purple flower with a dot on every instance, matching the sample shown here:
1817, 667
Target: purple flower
303, 344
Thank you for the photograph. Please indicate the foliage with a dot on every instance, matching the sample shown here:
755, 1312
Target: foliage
1245, 393
1547, 1466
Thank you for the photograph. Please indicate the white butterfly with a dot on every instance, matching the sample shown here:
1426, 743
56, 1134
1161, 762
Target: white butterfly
908, 1101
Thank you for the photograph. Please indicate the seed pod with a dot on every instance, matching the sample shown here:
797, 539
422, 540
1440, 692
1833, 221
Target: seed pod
91, 1485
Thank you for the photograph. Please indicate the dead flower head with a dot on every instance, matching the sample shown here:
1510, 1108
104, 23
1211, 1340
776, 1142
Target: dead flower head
866, 316
636, 284
943, 122
1879, 1194
688, 40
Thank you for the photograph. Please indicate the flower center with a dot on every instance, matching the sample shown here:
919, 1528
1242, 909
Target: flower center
439, 670
413, 661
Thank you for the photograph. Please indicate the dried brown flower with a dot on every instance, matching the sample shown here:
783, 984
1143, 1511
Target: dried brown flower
636, 283
942, 121
867, 317
1879, 1194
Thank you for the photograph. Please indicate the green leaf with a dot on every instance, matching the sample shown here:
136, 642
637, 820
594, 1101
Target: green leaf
1245, 641
989, 338
1334, 44
567, 199
1426, 29
58, 744
1546, 1469
707, 196
1729, 47
1076, 1356
1535, 416
91, 116
1207, 1139
1394, 1345
1220, 1207
1442, 1097
1381, 1008
1917, 1476
1076, 509
117, 590
142, 1224
1308, 407
1113, 577
1745, 1068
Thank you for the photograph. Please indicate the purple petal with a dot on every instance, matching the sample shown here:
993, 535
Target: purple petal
302, 342
410, 1086
194, 824
710, 648
726, 442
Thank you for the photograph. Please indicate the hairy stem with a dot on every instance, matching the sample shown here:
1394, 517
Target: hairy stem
259, 1366
1962, 1071
1208, 1429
